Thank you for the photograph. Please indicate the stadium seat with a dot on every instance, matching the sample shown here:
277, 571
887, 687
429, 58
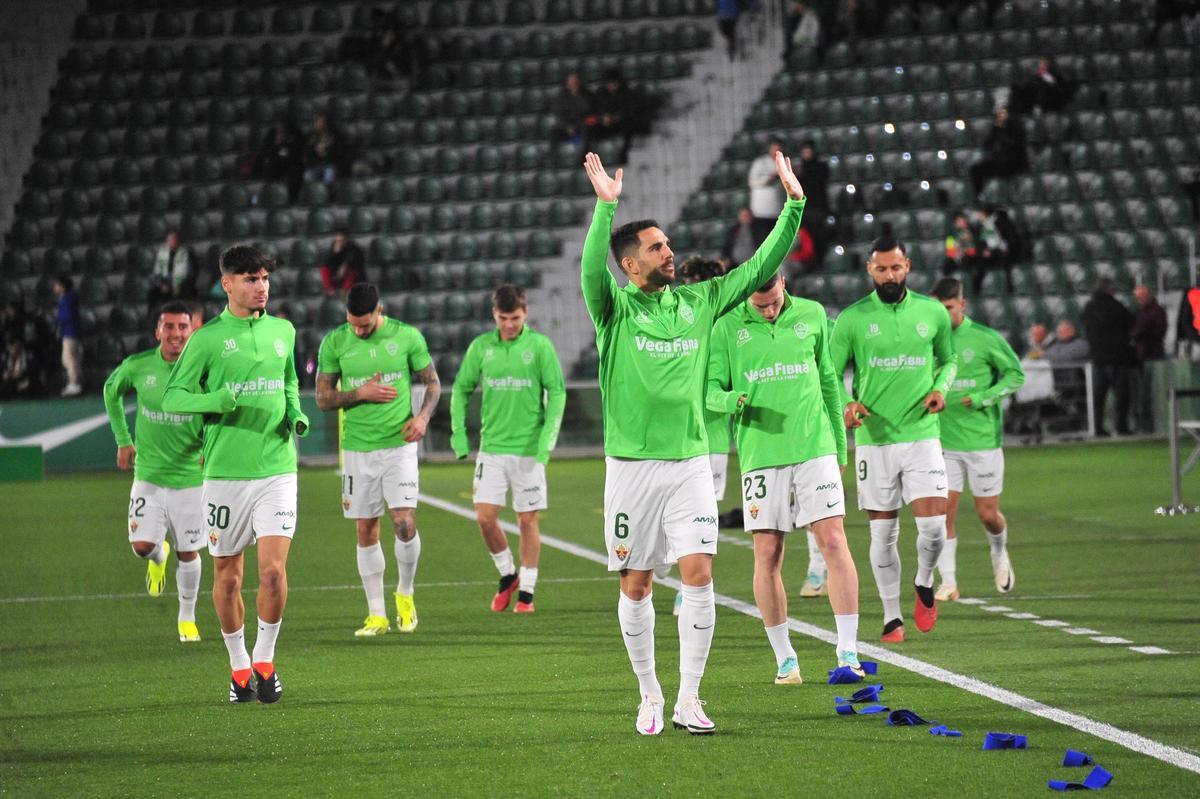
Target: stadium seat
401, 220
110, 230
326, 19
247, 22
286, 20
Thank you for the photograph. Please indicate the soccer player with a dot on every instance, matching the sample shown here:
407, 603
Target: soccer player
165, 459
373, 356
658, 499
770, 367
521, 412
904, 364
238, 370
973, 433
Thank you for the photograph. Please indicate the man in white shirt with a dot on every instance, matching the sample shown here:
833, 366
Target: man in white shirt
766, 196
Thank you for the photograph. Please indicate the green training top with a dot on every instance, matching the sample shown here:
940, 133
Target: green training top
395, 350
654, 345
716, 427
901, 352
988, 371
240, 373
793, 409
514, 375
168, 444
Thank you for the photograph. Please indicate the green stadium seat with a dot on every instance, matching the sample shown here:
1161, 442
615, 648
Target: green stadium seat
110, 230
120, 59
540, 244
326, 19
75, 203
423, 248
443, 217
35, 203
274, 195
500, 246
169, 25
320, 222
286, 20
123, 319
401, 220
129, 26
384, 251
57, 261
46, 175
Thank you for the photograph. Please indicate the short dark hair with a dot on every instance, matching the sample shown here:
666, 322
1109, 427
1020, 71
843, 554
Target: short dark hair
174, 306
66, 282
626, 236
771, 281
243, 259
887, 244
362, 299
948, 288
341, 230
1105, 285
507, 298
698, 268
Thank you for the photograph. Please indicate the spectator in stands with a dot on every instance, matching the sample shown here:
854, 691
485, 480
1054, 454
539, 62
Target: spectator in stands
741, 241
805, 31
344, 266
1066, 345
1047, 89
962, 251
728, 12
1004, 151
325, 151
997, 241
12, 322
802, 259
67, 324
1109, 327
1039, 339
574, 108
619, 112
172, 278
17, 370
766, 195
281, 157
1149, 336
1069, 381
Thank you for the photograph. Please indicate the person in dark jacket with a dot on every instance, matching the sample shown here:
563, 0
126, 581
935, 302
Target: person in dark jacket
1004, 151
1109, 326
67, 324
1149, 333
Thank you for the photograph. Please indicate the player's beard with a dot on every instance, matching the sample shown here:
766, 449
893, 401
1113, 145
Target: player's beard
891, 293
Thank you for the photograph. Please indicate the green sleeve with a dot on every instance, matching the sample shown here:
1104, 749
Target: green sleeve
717, 396
115, 387
943, 353
556, 400
183, 393
599, 287
1012, 376
831, 393
840, 354
327, 359
732, 288
296, 419
464, 385
418, 356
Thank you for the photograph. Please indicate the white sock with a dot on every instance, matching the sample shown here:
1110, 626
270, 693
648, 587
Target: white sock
931, 538
696, 620
528, 578
158, 554
504, 562
235, 642
187, 583
781, 643
264, 644
637, 629
885, 565
998, 543
948, 562
847, 630
816, 561
371, 566
407, 555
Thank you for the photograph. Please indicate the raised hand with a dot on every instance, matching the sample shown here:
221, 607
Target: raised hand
783, 165
374, 391
607, 189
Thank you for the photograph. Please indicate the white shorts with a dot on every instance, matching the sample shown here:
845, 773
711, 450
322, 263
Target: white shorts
155, 510
657, 511
787, 497
238, 512
982, 469
374, 481
890, 475
719, 463
496, 475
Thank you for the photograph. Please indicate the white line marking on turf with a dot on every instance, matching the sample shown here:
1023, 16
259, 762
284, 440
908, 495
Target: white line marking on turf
1131, 741
1023, 616
995, 608
1081, 631
1052, 623
1110, 639
1094, 635
26, 600
1150, 650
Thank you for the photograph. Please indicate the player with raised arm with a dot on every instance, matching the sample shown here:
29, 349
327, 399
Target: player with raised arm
165, 498
238, 370
520, 414
658, 500
904, 364
770, 367
373, 355
973, 434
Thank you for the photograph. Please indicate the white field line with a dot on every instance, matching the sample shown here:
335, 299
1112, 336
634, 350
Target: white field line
1129, 740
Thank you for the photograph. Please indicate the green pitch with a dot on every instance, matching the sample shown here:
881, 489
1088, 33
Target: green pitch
97, 698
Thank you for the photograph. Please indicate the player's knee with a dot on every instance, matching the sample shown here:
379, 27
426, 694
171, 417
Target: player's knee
406, 527
187, 557
142, 548
485, 518
271, 579
227, 585
527, 521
